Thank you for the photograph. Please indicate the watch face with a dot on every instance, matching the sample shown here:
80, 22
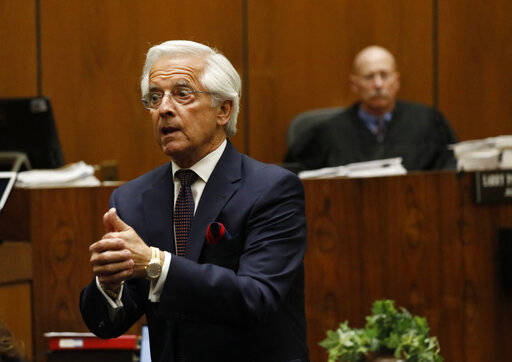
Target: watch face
153, 270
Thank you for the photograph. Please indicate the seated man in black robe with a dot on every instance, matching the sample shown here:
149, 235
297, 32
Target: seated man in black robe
378, 126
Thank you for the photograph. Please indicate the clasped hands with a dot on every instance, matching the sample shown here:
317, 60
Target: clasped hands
120, 254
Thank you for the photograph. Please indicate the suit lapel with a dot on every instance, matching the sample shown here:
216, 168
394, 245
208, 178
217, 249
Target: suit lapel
158, 210
223, 182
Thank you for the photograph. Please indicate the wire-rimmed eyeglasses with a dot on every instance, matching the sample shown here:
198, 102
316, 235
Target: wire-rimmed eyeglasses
180, 94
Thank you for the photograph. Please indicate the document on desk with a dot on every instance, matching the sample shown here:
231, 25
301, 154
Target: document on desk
384, 167
326, 172
75, 174
490, 153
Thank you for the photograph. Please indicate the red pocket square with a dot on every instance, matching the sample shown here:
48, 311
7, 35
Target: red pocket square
215, 232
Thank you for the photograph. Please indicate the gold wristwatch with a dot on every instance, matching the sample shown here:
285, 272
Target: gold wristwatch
154, 269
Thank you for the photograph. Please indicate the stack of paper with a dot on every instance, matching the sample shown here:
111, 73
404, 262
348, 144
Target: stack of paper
385, 167
326, 172
504, 144
485, 154
75, 174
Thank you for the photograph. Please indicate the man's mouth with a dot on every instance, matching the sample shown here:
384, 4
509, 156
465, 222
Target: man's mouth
379, 96
168, 130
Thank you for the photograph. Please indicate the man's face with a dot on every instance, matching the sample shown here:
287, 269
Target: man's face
186, 128
375, 81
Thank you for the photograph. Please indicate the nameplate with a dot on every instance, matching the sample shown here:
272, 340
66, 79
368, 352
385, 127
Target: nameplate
492, 187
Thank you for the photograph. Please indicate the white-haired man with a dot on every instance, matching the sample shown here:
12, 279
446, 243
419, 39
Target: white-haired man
209, 246
378, 126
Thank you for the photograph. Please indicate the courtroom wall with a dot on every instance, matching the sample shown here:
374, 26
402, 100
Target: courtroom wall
18, 73
292, 55
475, 57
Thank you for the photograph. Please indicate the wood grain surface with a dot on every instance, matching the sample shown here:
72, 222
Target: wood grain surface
92, 57
417, 239
18, 53
63, 223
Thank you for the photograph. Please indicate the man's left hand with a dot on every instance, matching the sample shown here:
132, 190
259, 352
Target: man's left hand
117, 229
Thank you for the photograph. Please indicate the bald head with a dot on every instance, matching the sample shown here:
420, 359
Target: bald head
372, 54
374, 79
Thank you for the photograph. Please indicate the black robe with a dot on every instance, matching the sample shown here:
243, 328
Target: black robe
417, 133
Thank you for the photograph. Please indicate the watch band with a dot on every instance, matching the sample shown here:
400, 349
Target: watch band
154, 268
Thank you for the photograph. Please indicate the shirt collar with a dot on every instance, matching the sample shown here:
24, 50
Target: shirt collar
370, 120
204, 167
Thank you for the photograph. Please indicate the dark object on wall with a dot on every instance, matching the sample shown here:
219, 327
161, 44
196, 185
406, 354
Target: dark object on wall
109, 171
504, 258
27, 125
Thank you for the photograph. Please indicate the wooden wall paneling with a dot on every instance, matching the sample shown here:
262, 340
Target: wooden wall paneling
478, 235
404, 240
504, 294
451, 324
474, 67
333, 290
18, 73
61, 256
16, 226
301, 52
417, 239
92, 56
15, 292
15, 311
15, 262
404, 223
58, 227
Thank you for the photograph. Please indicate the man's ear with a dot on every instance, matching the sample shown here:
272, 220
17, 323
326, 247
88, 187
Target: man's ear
352, 81
224, 112
397, 81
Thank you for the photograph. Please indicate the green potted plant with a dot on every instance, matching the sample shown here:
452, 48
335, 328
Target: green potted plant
389, 335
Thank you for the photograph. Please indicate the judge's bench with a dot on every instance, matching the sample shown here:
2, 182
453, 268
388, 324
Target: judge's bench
419, 239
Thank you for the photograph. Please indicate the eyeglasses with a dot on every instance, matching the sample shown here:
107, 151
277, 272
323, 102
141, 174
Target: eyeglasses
180, 94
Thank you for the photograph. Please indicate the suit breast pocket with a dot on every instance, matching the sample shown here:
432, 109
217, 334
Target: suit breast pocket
226, 252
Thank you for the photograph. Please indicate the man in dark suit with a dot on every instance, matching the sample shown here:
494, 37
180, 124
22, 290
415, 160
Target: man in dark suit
209, 246
378, 126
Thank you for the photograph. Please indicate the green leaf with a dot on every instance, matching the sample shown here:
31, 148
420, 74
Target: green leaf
386, 329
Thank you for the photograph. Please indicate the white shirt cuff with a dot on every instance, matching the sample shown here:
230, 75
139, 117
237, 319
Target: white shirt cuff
113, 303
155, 289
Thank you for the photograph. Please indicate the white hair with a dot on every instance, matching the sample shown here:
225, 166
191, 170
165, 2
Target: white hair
219, 76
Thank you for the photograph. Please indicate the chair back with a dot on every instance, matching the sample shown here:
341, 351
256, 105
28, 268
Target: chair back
306, 121
299, 135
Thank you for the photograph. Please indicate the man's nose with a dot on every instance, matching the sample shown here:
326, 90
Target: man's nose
166, 107
378, 81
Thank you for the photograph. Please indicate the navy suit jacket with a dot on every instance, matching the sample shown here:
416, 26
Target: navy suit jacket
241, 299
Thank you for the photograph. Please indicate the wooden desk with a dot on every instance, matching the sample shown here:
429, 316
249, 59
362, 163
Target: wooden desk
59, 225
418, 239
15, 291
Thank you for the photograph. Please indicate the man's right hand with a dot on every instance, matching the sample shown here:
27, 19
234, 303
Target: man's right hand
111, 262
120, 254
